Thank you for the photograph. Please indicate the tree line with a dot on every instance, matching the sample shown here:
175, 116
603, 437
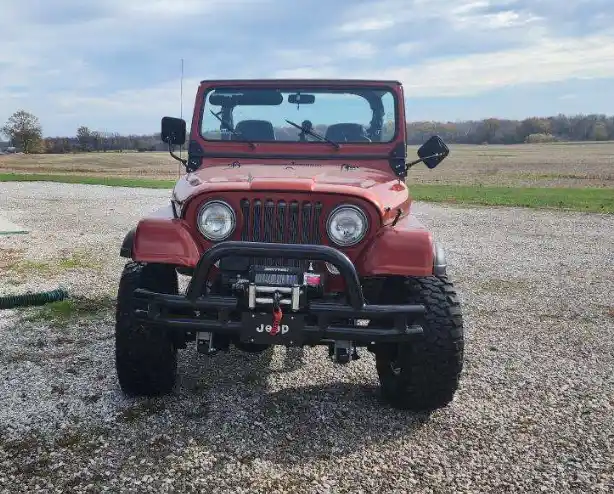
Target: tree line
25, 133
88, 140
561, 127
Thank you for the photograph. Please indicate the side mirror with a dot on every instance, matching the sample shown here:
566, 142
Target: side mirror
173, 130
433, 151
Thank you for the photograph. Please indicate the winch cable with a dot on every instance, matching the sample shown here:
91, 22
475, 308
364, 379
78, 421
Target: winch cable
277, 313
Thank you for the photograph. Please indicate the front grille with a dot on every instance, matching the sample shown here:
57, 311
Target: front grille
294, 222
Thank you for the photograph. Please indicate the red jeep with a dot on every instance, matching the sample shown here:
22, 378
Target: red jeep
293, 223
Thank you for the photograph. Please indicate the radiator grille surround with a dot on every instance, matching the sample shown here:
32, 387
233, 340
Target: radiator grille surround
281, 221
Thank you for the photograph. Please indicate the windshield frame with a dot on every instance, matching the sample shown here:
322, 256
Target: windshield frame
292, 86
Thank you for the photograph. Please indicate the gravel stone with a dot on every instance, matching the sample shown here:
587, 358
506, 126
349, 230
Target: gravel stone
535, 411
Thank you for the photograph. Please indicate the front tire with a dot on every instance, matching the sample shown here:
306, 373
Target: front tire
423, 376
145, 356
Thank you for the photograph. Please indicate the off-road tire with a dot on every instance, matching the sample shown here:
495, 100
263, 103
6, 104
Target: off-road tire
423, 376
145, 356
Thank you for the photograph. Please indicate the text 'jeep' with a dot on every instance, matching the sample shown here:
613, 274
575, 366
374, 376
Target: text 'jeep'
293, 222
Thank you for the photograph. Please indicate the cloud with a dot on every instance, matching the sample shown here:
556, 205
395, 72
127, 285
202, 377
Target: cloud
112, 62
308, 72
550, 60
383, 15
497, 20
356, 49
407, 47
466, 47
363, 25
545, 61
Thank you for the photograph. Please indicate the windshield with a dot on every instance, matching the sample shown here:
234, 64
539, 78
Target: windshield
324, 115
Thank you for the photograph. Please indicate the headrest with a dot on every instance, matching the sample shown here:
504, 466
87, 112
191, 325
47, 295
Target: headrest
352, 132
255, 130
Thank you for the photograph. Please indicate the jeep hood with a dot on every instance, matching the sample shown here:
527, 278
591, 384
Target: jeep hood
371, 183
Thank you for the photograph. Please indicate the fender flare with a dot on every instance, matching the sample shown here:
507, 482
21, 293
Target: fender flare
166, 212
406, 249
163, 241
440, 265
128, 244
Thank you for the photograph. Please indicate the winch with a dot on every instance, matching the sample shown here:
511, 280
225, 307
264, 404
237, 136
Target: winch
281, 286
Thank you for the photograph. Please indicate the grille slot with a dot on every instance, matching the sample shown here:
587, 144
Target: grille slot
291, 222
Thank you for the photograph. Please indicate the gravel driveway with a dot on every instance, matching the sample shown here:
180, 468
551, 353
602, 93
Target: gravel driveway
535, 411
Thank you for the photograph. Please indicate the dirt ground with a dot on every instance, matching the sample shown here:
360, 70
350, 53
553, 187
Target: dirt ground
534, 165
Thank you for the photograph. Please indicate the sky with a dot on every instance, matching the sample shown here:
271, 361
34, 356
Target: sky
115, 65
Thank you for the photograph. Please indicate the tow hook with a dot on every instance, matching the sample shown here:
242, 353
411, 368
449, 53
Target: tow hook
204, 343
342, 352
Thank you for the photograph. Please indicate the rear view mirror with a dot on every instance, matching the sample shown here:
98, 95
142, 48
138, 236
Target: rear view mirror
173, 130
301, 99
433, 151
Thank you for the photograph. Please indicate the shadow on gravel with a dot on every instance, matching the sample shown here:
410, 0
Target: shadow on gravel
326, 421
235, 367
241, 416
274, 406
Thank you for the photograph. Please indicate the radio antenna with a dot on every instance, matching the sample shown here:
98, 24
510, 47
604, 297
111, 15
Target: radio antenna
181, 115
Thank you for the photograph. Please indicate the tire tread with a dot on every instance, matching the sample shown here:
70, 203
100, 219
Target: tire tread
431, 366
145, 356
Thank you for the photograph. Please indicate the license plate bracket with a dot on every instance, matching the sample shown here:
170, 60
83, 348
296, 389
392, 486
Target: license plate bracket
257, 326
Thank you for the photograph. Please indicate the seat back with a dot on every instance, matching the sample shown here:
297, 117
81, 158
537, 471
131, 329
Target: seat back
254, 130
351, 132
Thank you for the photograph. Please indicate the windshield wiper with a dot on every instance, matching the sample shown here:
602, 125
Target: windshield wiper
232, 130
314, 134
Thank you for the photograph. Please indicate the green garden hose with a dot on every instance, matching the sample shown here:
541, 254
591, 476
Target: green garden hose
30, 299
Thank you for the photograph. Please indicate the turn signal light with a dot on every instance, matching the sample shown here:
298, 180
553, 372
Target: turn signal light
332, 269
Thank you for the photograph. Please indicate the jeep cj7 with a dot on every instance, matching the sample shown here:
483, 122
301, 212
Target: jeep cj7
293, 223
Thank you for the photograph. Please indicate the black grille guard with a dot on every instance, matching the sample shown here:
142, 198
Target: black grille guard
197, 299
268, 250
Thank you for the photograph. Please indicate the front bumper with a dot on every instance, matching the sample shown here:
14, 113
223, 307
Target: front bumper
197, 311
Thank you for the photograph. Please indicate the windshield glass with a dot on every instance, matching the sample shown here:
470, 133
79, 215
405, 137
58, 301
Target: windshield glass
352, 115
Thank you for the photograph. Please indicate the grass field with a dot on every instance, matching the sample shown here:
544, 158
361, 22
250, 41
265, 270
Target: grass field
578, 176
588, 199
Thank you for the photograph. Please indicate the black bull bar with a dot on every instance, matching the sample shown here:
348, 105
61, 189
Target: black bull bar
399, 325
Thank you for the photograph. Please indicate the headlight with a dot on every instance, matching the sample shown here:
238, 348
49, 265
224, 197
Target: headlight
346, 225
216, 220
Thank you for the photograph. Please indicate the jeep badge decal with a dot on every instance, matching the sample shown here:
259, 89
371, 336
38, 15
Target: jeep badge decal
284, 328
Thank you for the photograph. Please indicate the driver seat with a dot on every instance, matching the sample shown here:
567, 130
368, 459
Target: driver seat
254, 130
351, 132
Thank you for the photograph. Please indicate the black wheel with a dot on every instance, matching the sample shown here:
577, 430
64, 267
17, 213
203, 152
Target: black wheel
423, 376
145, 356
